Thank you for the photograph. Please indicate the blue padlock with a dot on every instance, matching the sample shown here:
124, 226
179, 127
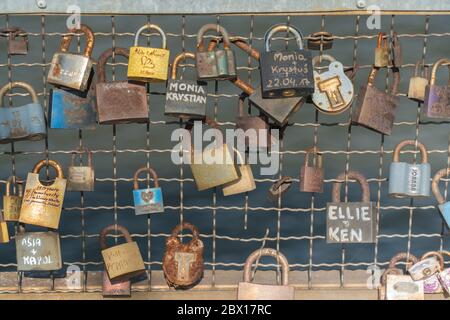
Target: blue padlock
409, 180
148, 200
26, 122
444, 207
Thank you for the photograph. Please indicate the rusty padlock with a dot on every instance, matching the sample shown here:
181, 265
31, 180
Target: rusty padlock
117, 289
42, 203
81, 178
311, 177
418, 83
17, 40
148, 200
183, 263
247, 290
376, 109
382, 51
119, 101
279, 187
444, 207
321, 40
437, 97
123, 261
4, 234
434, 283
245, 183
12, 202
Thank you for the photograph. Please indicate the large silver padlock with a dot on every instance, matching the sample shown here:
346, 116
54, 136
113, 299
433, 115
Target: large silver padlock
444, 207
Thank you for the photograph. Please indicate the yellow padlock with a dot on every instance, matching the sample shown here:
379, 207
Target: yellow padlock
149, 64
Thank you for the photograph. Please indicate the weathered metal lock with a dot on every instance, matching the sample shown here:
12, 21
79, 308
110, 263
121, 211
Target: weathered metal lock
12, 202
333, 92
149, 200
123, 261
376, 109
382, 286
311, 178
286, 74
279, 187
4, 234
352, 222
119, 101
247, 290
437, 98
418, 83
409, 180
81, 178
38, 251
183, 263
118, 289
215, 64
321, 40
431, 274
397, 56
42, 203
444, 207
26, 122
185, 98
382, 51
17, 41
245, 183
426, 267
72, 70
149, 64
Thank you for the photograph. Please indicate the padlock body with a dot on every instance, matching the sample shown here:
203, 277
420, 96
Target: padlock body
216, 65
409, 180
381, 57
403, 287
437, 102
18, 46
424, 268
444, 280
245, 183
121, 102
70, 70
124, 261
80, 178
4, 234
258, 136
444, 209
119, 289
416, 89
38, 251
186, 99
11, 207
375, 109
286, 74
311, 179
148, 64
148, 201
255, 291
22, 123
72, 109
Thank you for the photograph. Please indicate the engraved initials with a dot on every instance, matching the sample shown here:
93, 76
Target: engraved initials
183, 260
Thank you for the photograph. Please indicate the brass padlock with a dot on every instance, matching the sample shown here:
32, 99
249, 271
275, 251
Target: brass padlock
279, 187
311, 177
119, 101
123, 261
17, 41
183, 263
149, 64
245, 183
321, 40
81, 178
118, 289
4, 234
437, 97
382, 51
376, 109
12, 202
247, 290
42, 203
72, 70
148, 200
418, 83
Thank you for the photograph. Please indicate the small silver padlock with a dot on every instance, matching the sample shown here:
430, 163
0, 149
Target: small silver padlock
81, 178
425, 268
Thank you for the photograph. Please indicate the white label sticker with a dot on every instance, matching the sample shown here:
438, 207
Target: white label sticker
413, 179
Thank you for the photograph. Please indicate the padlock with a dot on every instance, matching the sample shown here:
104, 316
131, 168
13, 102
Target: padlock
426, 267
149, 64
245, 183
352, 222
431, 283
149, 200
321, 40
279, 187
183, 263
207, 172
333, 91
247, 290
286, 74
382, 287
215, 64
4, 234
81, 178
12, 202
376, 109
123, 261
444, 207
119, 101
437, 102
17, 41
444, 276
409, 180
185, 99
118, 289
311, 177
382, 51
26, 122
72, 70
397, 56
418, 83
42, 203
38, 251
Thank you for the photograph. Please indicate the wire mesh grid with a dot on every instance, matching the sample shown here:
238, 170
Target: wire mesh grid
232, 228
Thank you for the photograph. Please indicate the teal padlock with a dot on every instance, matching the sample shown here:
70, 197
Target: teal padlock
149, 200
444, 207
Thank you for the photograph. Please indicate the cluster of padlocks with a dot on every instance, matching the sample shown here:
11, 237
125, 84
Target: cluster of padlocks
288, 80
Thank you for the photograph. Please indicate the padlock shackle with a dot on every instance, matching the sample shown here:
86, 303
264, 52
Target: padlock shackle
336, 192
270, 253
18, 84
214, 27
313, 151
404, 143
184, 226
80, 151
151, 26
280, 28
51, 163
90, 38
242, 97
238, 42
436, 254
141, 170
280, 186
206, 120
436, 65
181, 57
395, 83
382, 40
409, 258
101, 65
317, 60
424, 72
396, 49
435, 184
18, 182
110, 229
